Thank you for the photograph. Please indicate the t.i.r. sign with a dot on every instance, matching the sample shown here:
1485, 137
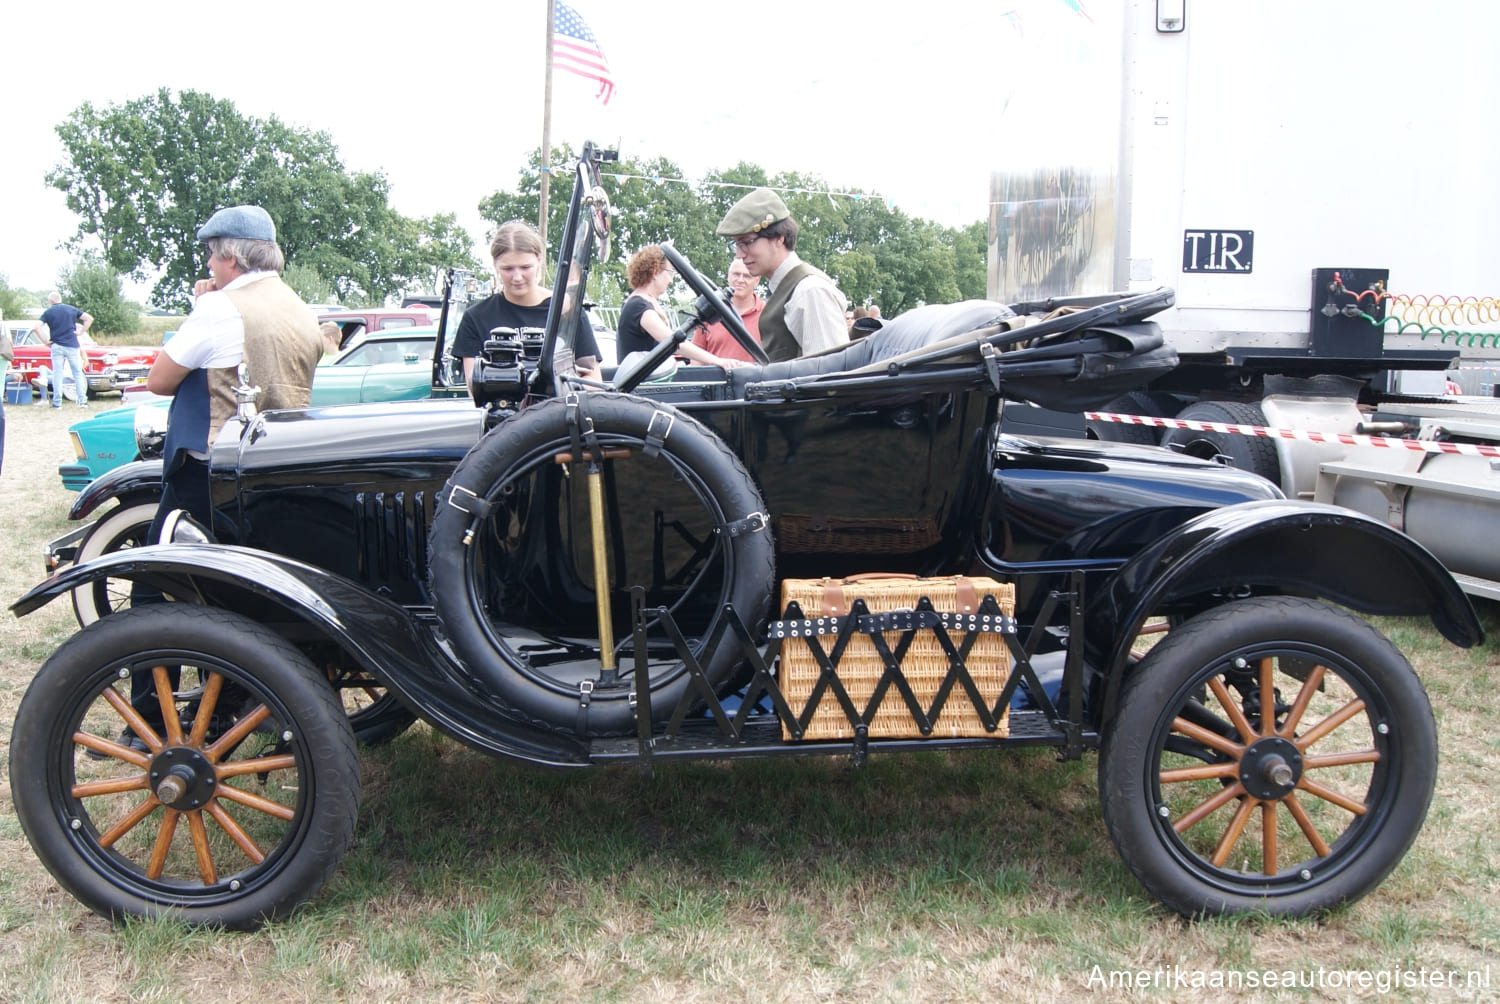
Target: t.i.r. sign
1218, 250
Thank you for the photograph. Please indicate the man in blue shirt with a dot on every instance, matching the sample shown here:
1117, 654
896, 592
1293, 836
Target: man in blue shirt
59, 326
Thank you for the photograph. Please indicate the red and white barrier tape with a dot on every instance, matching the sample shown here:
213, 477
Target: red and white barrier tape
1348, 439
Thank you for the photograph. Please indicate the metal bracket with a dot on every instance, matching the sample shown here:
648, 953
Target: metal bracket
991, 358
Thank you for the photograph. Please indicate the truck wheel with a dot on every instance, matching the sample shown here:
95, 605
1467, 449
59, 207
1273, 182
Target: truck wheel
232, 811
1255, 454
124, 526
1220, 808
510, 561
1137, 402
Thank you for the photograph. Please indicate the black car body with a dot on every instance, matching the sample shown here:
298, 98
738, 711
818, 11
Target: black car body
571, 573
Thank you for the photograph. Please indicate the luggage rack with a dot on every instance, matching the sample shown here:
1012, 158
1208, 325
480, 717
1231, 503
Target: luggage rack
716, 733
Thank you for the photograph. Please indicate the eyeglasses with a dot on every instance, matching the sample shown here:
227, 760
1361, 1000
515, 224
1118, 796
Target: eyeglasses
742, 244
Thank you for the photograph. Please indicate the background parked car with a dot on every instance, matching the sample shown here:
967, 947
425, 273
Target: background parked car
354, 323
108, 368
394, 364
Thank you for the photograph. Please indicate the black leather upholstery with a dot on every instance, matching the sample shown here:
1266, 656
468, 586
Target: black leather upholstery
915, 329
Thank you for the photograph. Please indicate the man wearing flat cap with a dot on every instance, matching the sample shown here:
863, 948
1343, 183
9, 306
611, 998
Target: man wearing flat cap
805, 311
243, 312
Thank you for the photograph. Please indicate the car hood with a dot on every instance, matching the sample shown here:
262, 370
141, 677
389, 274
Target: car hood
355, 436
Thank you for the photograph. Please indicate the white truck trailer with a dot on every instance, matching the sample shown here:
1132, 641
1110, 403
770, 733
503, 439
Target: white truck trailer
1303, 174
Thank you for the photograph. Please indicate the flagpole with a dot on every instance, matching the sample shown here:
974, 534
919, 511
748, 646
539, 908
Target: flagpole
541, 225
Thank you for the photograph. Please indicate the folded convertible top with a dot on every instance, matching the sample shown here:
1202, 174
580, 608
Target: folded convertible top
1082, 353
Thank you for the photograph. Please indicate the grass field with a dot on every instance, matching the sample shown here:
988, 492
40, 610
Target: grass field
980, 877
150, 332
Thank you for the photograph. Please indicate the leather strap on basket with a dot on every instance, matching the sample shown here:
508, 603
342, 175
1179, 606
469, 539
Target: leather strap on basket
834, 604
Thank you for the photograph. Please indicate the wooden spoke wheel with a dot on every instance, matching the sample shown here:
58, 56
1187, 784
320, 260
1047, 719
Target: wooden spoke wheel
376, 715
224, 792
1274, 754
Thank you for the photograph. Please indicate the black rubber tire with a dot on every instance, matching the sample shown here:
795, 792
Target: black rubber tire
122, 527
1256, 454
1136, 402
1171, 691
518, 604
292, 749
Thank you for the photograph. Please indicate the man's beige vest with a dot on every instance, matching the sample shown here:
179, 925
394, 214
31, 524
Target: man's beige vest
282, 348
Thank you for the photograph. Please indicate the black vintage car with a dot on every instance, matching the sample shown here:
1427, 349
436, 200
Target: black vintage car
578, 573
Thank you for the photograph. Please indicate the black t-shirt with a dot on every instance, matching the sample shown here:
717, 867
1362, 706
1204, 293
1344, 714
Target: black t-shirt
629, 335
496, 311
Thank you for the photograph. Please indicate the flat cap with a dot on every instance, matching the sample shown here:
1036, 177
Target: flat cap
245, 222
753, 213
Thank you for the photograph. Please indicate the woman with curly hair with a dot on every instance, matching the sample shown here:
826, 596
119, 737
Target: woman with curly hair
643, 321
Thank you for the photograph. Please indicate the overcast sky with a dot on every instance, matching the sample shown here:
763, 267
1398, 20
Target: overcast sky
917, 102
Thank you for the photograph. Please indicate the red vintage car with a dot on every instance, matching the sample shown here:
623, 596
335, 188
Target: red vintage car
106, 367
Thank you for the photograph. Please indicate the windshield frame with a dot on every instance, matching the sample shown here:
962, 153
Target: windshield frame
570, 283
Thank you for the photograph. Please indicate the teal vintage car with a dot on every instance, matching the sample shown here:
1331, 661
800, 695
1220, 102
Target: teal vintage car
391, 365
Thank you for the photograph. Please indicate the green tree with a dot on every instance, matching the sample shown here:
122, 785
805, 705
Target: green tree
525, 203
143, 176
94, 287
970, 246
308, 284
12, 301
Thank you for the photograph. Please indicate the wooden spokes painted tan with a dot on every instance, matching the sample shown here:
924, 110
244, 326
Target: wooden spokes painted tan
185, 808
1272, 763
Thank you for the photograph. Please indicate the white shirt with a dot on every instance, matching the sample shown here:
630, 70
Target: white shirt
213, 335
814, 311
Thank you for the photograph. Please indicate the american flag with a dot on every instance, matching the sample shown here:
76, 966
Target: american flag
575, 49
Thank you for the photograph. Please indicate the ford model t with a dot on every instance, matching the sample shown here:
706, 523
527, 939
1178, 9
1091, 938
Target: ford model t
846, 554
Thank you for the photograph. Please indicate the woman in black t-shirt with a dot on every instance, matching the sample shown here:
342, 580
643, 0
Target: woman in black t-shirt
520, 302
643, 322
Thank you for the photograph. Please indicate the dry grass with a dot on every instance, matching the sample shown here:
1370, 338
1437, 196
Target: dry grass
924, 878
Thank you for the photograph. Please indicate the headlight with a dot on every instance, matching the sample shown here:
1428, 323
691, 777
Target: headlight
150, 431
180, 528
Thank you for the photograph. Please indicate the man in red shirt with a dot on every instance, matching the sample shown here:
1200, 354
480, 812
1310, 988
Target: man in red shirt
716, 338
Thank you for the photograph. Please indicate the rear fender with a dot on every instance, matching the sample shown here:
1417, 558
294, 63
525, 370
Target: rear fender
1285, 547
302, 602
137, 481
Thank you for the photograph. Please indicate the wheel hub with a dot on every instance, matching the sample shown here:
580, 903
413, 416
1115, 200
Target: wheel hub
183, 778
1270, 768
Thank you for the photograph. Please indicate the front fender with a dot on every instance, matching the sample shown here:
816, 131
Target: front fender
1282, 546
382, 637
139, 478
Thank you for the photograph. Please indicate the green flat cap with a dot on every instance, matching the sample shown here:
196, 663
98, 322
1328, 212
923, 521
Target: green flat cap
753, 213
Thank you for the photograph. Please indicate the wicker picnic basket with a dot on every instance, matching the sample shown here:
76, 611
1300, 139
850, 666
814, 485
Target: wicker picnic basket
924, 665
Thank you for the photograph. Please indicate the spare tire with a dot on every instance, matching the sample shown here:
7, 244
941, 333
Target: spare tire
1255, 454
510, 559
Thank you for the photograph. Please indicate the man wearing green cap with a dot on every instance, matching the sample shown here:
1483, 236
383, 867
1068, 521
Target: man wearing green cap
805, 311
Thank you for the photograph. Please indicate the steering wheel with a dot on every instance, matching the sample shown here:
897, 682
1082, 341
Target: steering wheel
718, 297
